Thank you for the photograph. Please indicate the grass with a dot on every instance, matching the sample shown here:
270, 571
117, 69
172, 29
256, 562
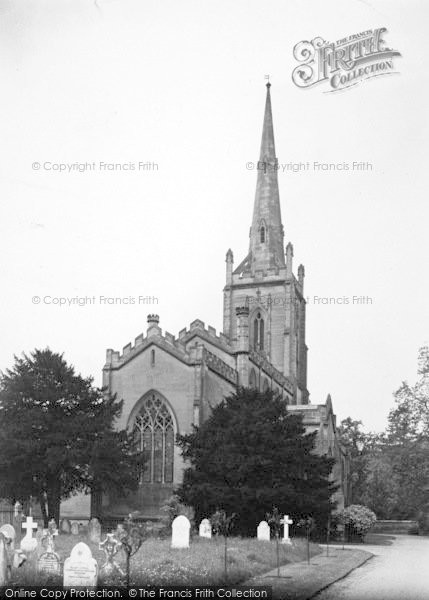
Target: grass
200, 564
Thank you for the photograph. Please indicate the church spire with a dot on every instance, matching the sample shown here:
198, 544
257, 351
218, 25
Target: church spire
266, 234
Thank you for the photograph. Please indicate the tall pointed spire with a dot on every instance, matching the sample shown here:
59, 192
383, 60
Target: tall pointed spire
266, 234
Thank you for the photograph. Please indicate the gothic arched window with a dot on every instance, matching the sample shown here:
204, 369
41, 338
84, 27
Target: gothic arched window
262, 235
258, 332
154, 434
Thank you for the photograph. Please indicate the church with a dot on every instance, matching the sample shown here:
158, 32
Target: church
170, 382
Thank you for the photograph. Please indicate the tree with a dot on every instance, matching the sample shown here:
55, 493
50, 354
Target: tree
251, 454
57, 434
408, 441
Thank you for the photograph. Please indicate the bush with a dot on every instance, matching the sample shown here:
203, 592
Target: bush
172, 508
357, 520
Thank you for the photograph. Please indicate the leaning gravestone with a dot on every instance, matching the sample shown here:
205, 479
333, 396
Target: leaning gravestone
205, 528
65, 526
94, 531
80, 568
180, 532
263, 531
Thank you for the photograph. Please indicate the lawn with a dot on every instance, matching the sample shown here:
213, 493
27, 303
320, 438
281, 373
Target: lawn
201, 564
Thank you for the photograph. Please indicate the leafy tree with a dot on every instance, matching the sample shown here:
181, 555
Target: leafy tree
57, 435
408, 441
250, 454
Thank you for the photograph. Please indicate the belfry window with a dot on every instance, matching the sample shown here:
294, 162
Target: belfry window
258, 332
262, 235
154, 434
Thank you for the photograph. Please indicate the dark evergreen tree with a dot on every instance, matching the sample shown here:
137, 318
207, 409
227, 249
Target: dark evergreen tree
250, 455
57, 435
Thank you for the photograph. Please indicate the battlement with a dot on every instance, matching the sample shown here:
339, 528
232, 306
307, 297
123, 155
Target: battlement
209, 332
114, 358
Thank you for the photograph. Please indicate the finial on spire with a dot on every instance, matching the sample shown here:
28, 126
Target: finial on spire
268, 82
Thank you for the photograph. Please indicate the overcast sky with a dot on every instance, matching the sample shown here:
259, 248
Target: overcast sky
181, 84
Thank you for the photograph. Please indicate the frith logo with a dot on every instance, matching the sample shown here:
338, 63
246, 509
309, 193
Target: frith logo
344, 63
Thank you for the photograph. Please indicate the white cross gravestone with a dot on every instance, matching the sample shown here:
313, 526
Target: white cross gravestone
80, 568
286, 522
180, 532
205, 529
263, 531
28, 542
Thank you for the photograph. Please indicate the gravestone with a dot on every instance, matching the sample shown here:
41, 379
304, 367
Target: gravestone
4, 561
286, 522
263, 531
111, 546
80, 568
74, 528
49, 563
17, 521
65, 526
205, 528
180, 532
94, 531
10, 534
28, 542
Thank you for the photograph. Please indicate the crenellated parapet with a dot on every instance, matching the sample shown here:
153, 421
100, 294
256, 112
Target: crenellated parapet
209, 334
167, 341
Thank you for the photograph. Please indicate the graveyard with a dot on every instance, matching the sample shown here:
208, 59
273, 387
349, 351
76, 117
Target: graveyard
73, 555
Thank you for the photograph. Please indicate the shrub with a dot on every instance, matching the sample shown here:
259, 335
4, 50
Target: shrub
172, 508
357, 520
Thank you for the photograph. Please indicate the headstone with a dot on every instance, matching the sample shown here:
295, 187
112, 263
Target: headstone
286, 522
28, 542
111, 546
49, 563
9, 533
263, 531
17, 521
65, 526
75, 528
180, 532
80, 568
81, 529
205, 528
94, 531
4, 571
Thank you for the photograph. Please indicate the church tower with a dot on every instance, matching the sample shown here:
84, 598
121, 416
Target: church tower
264, 284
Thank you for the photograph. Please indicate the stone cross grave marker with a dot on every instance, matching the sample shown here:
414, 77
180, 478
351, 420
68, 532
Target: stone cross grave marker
80, 568
286, 522
94, 530
28, 542
180, 532
205, 529
263, 531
